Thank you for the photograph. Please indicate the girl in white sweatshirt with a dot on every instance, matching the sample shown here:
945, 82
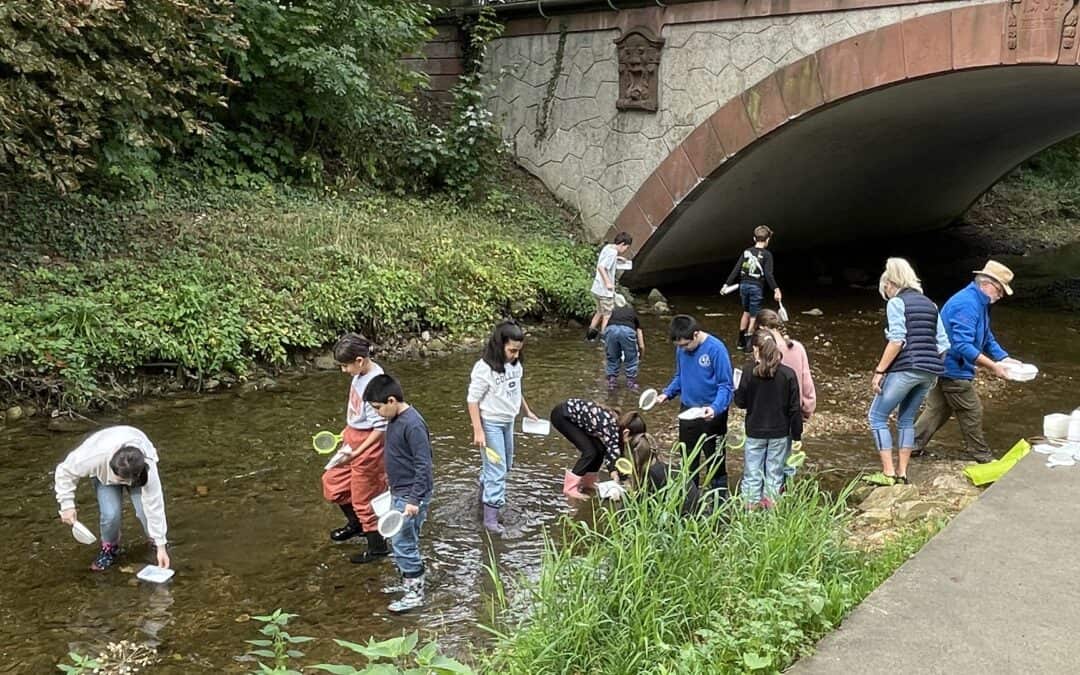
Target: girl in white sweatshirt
116, 458
494, 400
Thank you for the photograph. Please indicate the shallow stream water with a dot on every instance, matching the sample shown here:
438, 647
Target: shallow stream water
249, 527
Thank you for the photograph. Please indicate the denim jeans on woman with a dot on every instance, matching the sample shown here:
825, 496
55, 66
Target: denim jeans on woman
903, 391
620, 343
406, 543
500, 438
763, 473
111, 505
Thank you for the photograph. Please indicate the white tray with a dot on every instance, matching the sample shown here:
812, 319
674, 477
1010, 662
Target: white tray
155, 574
539, 427
692, 413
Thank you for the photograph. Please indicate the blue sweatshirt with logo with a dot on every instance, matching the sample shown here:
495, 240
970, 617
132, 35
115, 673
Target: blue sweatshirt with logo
703, 376
966, 317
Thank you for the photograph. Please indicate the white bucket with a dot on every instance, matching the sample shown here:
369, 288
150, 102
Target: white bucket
381, 504
1056, 425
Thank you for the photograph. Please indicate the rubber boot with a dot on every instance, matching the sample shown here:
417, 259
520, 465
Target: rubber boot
376, 548
571, 486
612, 382
740, 343
491, 520
632, 384
413, 598
588, 481
352, 527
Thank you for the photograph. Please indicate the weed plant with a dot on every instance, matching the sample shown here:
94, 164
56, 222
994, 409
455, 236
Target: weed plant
643, 589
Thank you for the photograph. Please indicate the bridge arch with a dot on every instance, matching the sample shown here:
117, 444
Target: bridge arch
893, 130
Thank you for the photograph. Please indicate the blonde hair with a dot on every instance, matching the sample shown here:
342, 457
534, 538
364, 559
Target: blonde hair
900, 274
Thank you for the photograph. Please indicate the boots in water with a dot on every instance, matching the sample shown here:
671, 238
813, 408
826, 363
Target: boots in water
376, 548
571, 486
491, 520
351, 528
632, 384
413, 598
612, 382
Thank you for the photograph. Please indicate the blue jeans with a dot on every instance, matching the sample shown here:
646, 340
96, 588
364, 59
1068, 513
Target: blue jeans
500, 438
903, 389
406, 543
621, 345
763, 473
750, 294
110, 500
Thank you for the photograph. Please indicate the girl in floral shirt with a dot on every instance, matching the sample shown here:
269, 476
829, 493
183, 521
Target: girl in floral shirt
598, 432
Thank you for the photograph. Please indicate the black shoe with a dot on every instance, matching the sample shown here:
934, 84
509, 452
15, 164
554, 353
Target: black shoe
983, 459
376, 548
591, 335
351, 529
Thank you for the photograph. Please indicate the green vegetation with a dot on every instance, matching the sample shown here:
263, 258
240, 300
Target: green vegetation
646, 591
92, 289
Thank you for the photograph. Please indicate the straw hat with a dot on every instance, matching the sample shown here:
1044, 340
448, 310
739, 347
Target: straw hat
999, 273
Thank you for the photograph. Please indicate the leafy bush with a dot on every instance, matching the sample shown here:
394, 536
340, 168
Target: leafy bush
213, 284
644, 590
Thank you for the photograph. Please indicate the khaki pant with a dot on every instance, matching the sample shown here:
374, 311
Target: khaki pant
945, 399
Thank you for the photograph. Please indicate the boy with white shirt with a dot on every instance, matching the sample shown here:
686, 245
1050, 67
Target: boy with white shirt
116, 458
603, 288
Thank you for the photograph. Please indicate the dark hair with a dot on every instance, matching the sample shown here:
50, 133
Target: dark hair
631, 421
495, 349
762, 232
767, 318
382, 388
643, 454
129, 463
352, 346
768, 354
623, 238
683, 327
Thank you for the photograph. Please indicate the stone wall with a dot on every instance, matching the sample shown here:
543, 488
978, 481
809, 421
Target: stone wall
555, 95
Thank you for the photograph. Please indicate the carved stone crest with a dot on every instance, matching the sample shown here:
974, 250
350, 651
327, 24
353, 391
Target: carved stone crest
1037, 29
639, 69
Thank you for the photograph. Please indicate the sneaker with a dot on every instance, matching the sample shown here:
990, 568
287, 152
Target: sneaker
413, 598
106, 557
880, 478
612, 382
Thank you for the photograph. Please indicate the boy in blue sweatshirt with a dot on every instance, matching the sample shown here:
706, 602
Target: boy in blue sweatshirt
702, 379
408, 471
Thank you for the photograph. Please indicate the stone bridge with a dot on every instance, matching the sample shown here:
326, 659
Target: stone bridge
830, 120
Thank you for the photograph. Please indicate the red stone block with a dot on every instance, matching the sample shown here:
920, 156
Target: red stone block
800, 86
839, 69
678, 175
655, 200
632, 221
976, 35
704, 149
881, 56
765, 106
928, 44
732, 126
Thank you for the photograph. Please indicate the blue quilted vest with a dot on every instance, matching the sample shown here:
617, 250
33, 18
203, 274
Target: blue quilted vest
920, 350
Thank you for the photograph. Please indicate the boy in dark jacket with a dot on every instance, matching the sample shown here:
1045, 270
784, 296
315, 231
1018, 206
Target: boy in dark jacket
753, 270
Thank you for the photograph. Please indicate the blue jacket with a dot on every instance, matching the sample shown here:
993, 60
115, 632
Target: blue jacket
967, 322
703, 376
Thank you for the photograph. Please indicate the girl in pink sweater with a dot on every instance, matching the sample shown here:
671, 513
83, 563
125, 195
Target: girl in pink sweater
793, 355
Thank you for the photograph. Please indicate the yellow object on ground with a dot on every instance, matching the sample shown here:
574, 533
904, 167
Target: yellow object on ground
982, 474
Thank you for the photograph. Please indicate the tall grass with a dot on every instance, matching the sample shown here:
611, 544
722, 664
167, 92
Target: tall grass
644, 590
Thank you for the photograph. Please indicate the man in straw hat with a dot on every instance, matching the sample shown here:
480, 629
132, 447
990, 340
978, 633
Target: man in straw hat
966, 317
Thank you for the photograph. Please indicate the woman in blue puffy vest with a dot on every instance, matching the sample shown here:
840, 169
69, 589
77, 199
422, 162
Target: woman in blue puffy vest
908, 368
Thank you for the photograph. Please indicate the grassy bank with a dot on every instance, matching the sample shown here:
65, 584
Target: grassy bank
92, 290
645, 591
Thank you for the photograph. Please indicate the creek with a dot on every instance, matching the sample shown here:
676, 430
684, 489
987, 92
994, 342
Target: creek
249, 526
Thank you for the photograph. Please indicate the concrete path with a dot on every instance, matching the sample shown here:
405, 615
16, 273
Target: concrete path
997, 591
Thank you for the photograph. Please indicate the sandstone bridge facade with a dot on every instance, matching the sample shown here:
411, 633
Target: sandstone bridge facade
830, 120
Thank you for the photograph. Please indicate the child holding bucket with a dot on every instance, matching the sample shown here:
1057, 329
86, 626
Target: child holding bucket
409, 472
494, 399
793, 355
355, 482
598, 432
769, 391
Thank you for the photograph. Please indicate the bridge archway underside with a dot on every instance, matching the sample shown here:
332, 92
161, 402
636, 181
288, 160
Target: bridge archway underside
833, 152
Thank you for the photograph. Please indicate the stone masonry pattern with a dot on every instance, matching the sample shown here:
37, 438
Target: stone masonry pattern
594, 157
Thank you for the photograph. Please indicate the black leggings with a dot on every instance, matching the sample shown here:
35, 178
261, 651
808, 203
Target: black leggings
690, 431
590, 447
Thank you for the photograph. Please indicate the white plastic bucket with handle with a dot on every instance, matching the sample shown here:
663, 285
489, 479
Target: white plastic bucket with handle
1056, 425
390, 521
